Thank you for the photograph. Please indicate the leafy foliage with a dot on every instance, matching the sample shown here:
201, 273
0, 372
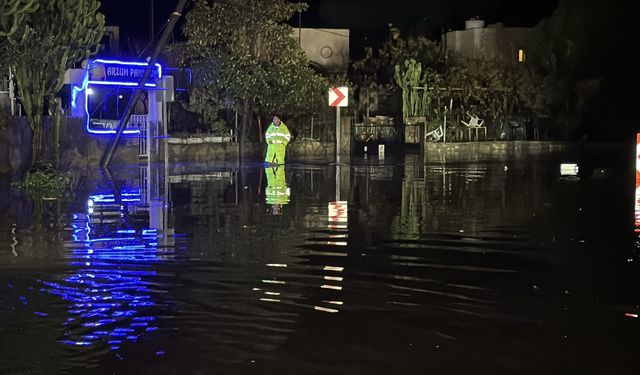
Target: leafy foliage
416, 66
379, 67
44, 181
484, 88
244, 57
12, 15
57, 35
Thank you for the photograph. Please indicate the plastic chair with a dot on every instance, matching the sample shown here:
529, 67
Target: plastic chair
435, 134
475, 123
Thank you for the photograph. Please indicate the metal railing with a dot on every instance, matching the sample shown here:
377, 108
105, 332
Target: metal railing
141, 122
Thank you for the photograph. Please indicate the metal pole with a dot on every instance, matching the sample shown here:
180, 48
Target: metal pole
337, 133
108, 155
338, 182
337, 153
312, 112
12, 94
444, 140
299, 28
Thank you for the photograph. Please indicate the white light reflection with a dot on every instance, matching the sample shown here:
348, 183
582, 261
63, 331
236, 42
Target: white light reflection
331, 268
273, 282
334, 287
338, 219
269, 300
334, 226
324, 309
333, 278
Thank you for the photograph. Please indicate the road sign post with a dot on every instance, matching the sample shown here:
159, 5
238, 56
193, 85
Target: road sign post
338, 97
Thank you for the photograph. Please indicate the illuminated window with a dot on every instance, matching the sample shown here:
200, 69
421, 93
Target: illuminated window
522, 56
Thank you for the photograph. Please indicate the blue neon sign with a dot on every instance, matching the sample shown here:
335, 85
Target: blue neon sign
121, 72
112, 73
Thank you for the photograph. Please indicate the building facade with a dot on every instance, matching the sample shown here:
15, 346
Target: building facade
507, 45
326, 49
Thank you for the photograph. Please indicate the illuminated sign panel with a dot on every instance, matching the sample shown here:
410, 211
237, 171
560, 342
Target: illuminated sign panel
120, 72
569, 169
107, 88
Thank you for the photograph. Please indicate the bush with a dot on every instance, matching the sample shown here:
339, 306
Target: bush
45, 181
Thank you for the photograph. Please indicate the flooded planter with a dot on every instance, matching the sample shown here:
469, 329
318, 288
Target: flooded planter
470, 151
202, 148
310, 149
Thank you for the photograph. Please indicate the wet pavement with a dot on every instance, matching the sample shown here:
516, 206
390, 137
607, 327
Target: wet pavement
390, 266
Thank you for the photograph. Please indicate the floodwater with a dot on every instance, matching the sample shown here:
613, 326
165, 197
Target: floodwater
390, 266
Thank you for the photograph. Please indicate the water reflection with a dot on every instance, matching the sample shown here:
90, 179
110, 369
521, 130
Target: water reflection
338, 220
277, 192
417, 264
114, 248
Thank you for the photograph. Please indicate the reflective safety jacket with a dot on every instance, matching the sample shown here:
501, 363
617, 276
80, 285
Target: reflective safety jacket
278, 134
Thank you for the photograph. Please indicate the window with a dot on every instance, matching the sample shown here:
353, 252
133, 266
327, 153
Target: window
522, 56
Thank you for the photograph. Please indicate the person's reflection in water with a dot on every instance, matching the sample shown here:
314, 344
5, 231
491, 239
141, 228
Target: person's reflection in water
277, 192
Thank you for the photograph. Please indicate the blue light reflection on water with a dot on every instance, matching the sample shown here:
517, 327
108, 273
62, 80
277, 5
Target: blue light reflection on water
110, 288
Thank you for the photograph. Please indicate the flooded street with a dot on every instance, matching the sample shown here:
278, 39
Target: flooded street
389, 266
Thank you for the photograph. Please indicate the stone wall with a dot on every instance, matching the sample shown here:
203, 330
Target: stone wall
202, 149
14, 156
79, 149
205, 149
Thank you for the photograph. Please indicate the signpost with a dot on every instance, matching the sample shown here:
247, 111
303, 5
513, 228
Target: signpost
338, 97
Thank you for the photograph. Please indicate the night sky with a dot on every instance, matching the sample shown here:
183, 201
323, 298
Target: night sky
435, 15
367, 20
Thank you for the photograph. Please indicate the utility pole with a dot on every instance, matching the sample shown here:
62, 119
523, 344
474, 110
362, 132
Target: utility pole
108, 155
151, 22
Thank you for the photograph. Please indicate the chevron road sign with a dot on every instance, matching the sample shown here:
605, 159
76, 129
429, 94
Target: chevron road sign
338, 96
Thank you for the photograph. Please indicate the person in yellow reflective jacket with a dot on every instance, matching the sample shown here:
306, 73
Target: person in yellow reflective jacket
277, 138
277, 192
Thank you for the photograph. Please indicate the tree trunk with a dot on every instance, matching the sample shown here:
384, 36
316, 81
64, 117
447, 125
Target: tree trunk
244, 126
56, 119
31, 90
36, 142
